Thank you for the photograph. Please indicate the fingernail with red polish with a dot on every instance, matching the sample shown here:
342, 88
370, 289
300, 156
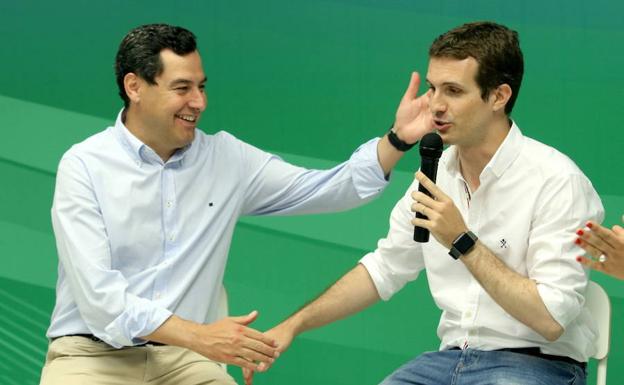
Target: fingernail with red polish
589, 224
578, 241
579, 232
578, 259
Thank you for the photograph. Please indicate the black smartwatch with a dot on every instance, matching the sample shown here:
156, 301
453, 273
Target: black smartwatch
462, 244
398, 143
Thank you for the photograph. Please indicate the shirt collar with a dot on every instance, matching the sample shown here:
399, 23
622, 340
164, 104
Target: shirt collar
504, 156
139, 151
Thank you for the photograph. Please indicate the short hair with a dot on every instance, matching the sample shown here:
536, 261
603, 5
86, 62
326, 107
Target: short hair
139, 52
495, 47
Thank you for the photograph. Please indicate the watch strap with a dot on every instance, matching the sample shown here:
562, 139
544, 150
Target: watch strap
398, 143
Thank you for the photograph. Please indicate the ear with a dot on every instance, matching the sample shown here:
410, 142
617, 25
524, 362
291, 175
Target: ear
500, 96
132, 85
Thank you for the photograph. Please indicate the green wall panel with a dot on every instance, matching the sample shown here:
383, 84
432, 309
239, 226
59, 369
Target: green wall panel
310, 80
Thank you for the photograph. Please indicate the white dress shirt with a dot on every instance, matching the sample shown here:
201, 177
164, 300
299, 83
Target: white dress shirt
530, 201
139, 239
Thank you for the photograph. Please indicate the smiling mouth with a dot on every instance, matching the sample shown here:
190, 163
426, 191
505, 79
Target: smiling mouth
187, 118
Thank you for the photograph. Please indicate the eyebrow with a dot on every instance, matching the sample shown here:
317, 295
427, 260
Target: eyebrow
178, 82
452, 84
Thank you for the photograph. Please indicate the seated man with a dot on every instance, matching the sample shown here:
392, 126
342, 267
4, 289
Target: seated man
505, 207
143, 216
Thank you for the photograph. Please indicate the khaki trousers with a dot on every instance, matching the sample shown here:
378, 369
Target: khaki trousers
79, 360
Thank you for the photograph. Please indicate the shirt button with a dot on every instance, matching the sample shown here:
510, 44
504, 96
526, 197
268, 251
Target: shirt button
169, 203
171, 238
157, 295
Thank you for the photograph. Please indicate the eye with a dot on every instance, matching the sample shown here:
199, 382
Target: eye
454, 91
181, 89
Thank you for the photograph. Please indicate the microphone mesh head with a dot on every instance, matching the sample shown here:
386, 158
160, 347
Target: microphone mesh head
431, 145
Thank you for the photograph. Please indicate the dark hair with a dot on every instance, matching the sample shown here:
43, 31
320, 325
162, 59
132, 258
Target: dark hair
495, 47
139, 52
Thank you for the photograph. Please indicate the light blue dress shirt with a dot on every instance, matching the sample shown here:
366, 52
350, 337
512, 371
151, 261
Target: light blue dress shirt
139, 240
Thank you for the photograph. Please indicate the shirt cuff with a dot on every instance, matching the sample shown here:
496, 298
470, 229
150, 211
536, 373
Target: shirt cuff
563, 308
134, 322
373, 265
368, 176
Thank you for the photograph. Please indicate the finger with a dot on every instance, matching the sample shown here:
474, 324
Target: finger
610, 236
425, 199
594, 240
245, 319
419, 222
606, 235
430, 186
412, 89
592, 264
261, 337
260, 347
428, 212
243, 363
594, 252
254, 356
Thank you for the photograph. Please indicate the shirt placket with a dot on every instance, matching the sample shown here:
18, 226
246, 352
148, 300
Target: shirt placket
472, 210
169, 209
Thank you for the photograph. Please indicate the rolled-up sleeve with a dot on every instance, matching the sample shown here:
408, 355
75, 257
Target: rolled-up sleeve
111, 312
397, 259
565, 205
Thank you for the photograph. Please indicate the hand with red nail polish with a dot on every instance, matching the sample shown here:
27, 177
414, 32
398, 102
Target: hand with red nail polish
605, 248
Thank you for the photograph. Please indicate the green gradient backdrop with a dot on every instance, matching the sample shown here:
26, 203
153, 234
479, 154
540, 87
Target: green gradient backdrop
311, 81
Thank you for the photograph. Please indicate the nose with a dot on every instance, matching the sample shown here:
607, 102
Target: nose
198, 99
437, 105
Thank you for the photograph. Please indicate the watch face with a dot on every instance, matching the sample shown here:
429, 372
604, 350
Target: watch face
465, 242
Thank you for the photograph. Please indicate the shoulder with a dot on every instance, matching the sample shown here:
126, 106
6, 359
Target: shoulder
99, 143
546, 161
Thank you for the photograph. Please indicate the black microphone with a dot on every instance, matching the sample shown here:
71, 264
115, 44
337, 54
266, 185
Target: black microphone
430, 152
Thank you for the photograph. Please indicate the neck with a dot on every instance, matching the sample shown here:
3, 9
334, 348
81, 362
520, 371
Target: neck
137, 128
474, 158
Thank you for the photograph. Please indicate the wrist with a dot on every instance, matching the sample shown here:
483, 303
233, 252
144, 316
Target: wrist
463, 244
294, 325
397, 142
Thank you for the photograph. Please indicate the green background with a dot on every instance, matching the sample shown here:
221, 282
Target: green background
309, 80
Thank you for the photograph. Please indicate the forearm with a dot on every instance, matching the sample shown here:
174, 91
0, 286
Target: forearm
174, 331
354, 292
516, 294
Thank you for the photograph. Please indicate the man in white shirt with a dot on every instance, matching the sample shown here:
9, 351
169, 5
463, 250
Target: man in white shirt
143, 217
505, 207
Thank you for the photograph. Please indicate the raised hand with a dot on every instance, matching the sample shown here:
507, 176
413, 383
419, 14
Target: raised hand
413, 117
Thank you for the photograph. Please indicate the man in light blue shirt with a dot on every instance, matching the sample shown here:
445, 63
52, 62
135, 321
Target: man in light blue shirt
144, 213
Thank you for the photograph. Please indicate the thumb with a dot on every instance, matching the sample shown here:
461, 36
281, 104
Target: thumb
412, 89
246, 319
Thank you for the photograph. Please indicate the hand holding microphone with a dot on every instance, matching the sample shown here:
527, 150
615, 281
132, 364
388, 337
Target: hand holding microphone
430, 152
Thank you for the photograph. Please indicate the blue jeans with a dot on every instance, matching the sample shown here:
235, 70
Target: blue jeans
477, 367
